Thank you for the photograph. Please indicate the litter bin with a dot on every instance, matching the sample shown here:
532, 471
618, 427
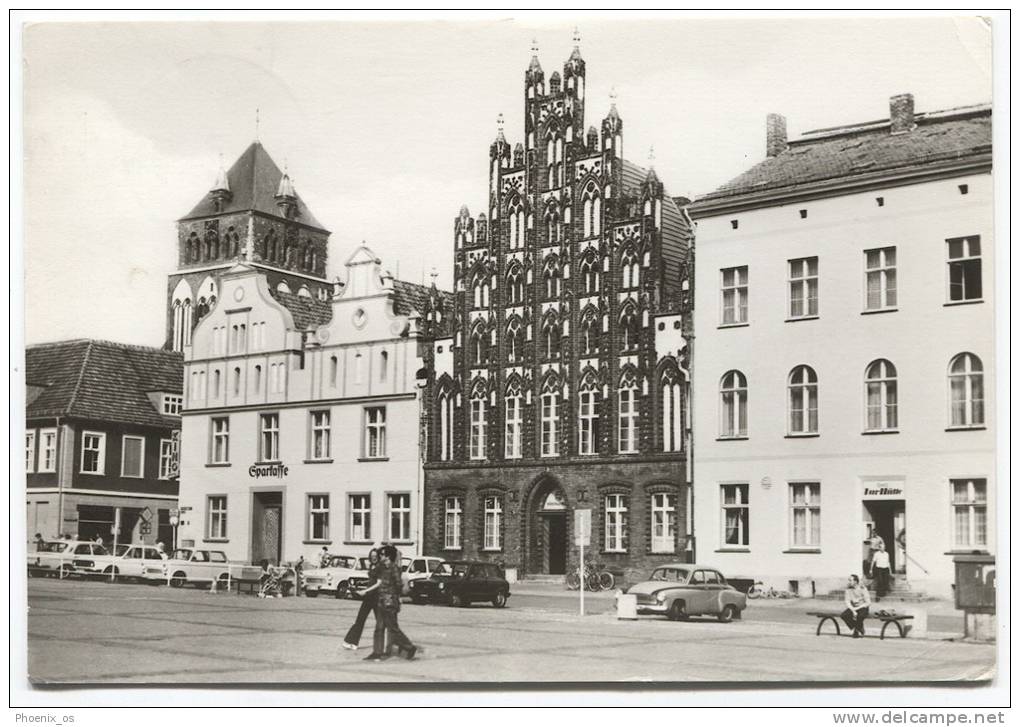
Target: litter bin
626, 606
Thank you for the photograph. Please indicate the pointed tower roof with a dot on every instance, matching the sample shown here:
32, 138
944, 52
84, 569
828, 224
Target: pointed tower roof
286, 188
575, 55
254, 180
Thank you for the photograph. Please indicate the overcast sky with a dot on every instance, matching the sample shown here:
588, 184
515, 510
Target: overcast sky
385, 127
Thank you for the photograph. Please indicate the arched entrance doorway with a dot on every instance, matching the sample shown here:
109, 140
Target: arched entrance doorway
548, 552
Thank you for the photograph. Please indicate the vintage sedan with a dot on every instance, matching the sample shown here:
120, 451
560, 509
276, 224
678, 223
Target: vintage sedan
416, 569
53, 558
462, 582
93, 559
680, 590
188, 565
335, 577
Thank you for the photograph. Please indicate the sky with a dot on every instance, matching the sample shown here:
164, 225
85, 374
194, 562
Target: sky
385, 126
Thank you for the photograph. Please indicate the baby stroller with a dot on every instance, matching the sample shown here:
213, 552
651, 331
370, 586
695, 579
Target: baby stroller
271, 584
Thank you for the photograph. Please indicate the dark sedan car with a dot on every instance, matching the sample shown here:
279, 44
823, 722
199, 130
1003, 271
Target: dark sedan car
461, 583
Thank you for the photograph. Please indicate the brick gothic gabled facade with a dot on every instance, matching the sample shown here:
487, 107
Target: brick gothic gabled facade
253, 214
564, 384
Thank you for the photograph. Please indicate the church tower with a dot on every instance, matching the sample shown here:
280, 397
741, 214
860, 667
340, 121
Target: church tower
253, 214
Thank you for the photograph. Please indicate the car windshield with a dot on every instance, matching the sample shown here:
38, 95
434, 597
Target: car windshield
363, 563
99, 550
181, 554
217, 556
341, 561
52, 547
121, 549
676, 575
460, 569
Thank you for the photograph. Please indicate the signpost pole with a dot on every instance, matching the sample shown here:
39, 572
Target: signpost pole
582, 536
581, 589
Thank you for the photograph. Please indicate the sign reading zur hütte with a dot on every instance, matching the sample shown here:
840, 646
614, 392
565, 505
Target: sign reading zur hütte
882, 491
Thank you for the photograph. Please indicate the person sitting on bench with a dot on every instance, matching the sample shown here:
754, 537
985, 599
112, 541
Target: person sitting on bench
857, 601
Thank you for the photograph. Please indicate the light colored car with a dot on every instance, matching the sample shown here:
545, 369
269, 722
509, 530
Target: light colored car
335, 577
53, 558
417, 568
93, 559
190, 565
679, 590
135, 559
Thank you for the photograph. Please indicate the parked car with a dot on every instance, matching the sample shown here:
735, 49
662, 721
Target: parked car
188, 565
462, 582
679, 590
135, 559
93, 559
53, 558
335, 577
418, 568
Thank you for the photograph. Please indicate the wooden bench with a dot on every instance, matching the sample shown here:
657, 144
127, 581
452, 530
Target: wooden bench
836, 617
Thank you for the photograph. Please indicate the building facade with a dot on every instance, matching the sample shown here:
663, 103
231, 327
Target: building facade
102, 430
300, 427
845, 356
251, 214
562, 385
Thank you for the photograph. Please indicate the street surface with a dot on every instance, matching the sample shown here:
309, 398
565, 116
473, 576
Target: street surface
95, 632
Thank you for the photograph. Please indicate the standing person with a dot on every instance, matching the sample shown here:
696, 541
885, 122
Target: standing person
880, 571
389, 587
161, 550
368, 602
299, 582
857, 601
324, 557
39, 542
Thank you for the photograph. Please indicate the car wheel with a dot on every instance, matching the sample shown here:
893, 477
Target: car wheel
343, 589
111, 571
499, 600
222, 581
677, 611
178, 580
63, 573
728, 613
457, 600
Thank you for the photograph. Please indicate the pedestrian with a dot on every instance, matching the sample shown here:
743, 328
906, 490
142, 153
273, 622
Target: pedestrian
857, 601
39, 542
99, 540
386, 610
161, 549
368, 601
299, 582
324, 557
880, 571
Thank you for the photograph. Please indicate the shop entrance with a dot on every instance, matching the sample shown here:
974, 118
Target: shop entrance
886, 519
267, 527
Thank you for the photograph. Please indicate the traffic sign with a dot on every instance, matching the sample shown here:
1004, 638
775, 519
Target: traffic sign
582, 527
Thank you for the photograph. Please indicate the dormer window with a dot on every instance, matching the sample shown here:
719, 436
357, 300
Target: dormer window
172, 404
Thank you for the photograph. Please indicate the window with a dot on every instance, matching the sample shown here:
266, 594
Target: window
672, 413
445, 427
318, 517
476, 444
479, 345
48, 450
550, 425
334, 370
964, 268
663, 522
803, 389
616, 523
453, 512
734, 295
220, 440
492, 535
480, 292
880, 396
736, 515
804, 287
966, 391
628, 330
320, 448
360, 509
733, 405
172, 404
880, 278
400, 516
514, 341
30, 452
375, 432
132, 456
515, 216
216, 383
591, 216
384, 365
269, 437
590, 333
514, 426
590, 275
551, 276
515, 287
550, 338
970, 513
216, 523
630, 269
805, 515
93, 453
258, 379
359, 368
588, 428
166, 458
628, 416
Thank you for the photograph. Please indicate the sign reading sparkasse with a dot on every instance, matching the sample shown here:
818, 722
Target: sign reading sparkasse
276, 469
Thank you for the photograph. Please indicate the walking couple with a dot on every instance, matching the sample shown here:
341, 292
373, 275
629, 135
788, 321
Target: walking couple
382, 597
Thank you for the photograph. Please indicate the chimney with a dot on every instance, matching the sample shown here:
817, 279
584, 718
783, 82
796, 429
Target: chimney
901, 113
775, 135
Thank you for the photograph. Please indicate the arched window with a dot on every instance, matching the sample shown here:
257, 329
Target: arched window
591, 203
630, 269
384, 366
216, 383
880, 396
514, 418
514, 340
590, 275
554, 159
552, 226
445, 425
551, 337
589, 403
590, 332
628, 329
237, 381
803, 392
282, 287
966, 391
551, 276
258, 379
628, 424
515, 217
515, 286
476, 442
182, 315
479, 344
549, 418
672, 412
480, 291
733, 405
334, 370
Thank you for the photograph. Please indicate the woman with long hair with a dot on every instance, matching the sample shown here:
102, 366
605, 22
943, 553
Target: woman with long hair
368, 603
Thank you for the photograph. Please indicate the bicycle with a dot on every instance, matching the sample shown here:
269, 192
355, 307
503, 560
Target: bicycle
596, 578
